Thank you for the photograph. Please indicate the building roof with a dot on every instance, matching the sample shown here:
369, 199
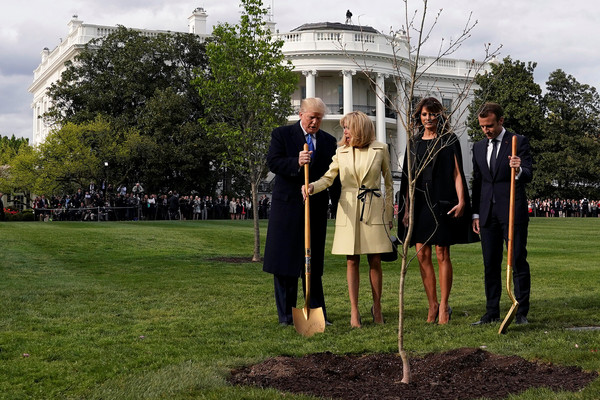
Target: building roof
323, 26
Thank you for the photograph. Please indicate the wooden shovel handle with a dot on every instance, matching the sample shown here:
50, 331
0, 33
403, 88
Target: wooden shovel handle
306, 207
511, 210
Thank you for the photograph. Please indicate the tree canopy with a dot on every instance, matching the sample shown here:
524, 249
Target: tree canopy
142, 84
512, 85
568, 154
562, 126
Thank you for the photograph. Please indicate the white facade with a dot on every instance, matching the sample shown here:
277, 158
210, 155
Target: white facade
355, 68
332, 61
53, 62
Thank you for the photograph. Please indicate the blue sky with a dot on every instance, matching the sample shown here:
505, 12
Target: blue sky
551, 33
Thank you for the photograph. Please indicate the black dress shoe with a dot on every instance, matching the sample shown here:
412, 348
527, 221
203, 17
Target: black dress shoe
521, 320
486, 319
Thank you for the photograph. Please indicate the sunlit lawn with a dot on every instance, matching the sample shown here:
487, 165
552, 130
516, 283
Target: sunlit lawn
138, 310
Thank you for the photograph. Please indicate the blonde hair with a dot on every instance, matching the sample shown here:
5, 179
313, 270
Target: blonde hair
313, 104
362, 128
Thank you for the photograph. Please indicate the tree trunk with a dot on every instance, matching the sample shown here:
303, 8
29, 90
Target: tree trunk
405, 364
256, 255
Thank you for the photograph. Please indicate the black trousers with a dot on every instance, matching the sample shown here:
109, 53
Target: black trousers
493, 238
286, 295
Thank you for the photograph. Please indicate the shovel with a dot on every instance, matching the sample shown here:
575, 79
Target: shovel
511, 232
307, 321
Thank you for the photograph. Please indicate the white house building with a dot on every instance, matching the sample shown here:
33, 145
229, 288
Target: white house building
350, 67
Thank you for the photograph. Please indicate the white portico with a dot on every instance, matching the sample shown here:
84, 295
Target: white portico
355, 68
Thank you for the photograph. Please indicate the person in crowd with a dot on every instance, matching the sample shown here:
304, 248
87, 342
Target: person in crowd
284, 247
137, 190
173, 205
364, 214
204, 204
232, 208
145, 206
441, 202
238, 208
492, 164
1, 207
197, 207
210, 208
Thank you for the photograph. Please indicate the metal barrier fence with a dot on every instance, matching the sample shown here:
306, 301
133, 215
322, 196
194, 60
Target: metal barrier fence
105, 213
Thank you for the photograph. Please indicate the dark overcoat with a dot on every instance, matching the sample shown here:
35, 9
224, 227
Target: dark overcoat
284, 248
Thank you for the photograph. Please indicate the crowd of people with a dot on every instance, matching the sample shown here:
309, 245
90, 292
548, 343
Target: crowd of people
563, 208
107, 204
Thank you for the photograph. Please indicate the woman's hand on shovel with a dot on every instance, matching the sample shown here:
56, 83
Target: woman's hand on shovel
311, 189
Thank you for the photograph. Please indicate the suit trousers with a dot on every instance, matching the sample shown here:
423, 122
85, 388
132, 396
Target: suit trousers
286, 294
493, 237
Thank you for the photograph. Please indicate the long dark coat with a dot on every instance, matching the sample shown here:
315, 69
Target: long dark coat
284, 248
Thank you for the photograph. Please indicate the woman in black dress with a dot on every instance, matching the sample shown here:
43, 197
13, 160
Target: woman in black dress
441, 215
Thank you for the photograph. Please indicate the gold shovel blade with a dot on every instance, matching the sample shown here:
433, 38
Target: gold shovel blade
308, 321
515, 304
509, 317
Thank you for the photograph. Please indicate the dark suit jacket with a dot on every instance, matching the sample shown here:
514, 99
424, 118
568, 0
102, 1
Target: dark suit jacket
284, 248
486, 186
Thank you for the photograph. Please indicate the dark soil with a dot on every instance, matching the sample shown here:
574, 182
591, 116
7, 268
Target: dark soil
457, 374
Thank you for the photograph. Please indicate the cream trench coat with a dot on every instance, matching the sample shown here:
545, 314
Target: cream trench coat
371, 235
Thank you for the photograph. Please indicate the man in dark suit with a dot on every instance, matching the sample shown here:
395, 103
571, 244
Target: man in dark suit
284, 249
492, 163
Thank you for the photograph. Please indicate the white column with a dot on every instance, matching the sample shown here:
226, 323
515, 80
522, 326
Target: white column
348, 103
380, 108
310, 82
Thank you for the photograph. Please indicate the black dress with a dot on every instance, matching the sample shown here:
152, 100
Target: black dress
435, 193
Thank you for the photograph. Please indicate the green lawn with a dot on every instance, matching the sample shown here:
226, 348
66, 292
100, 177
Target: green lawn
143, 310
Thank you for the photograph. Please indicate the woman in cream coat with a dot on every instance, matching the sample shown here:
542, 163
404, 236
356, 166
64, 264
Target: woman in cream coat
364, 213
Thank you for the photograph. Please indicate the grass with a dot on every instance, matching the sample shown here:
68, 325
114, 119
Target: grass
146, 311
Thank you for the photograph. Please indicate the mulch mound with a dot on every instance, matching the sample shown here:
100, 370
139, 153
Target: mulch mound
465, 373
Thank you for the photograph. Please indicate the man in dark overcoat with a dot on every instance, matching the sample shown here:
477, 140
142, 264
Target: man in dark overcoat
492, 164
284, 249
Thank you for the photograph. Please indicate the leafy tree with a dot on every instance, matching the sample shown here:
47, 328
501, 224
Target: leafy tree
117, 75
141, 83
510, 84
180, 154
568, 154
19, 174
15, 154
246, 95
74, 155
9, 147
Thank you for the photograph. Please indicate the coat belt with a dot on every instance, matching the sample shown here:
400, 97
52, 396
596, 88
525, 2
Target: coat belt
362, 194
